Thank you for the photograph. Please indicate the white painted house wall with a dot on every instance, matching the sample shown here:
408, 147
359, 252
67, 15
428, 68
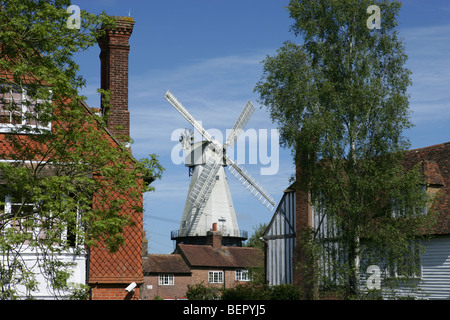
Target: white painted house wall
435, 269
280, 238
433, 281
30, 257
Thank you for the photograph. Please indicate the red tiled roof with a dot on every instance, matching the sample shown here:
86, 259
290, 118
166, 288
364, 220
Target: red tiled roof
432, 173
226, 257
435, 165
164, 263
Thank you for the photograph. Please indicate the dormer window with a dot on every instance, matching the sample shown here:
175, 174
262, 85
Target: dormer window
20, 113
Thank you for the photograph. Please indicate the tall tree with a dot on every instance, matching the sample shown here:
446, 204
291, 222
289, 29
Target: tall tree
340, 99
65, 180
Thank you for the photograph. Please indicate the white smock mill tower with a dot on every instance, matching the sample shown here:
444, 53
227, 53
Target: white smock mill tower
208, 204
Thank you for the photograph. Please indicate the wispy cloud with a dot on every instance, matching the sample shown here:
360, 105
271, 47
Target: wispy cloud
429, 61
213, 90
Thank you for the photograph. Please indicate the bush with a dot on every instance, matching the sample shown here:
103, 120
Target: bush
285, 292
248, 291
202, 292
254, 291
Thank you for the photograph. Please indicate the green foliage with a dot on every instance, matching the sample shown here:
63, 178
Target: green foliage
340, 99
201, 292
151, 170
65, 181
255, 239
247, 291
79, 292
257, 273
285, 292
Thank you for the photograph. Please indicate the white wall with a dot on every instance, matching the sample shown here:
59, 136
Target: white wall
43, 292
435, 264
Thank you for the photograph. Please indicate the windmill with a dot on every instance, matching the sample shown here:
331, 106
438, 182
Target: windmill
209, 202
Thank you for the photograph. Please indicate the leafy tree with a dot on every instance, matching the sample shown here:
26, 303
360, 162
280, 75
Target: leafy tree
255, 239
65, 180
257, 274
340, 99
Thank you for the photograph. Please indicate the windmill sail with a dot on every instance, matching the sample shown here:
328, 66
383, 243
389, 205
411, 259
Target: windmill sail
240, 124
202, 189
181, 109
209, 198
250, 184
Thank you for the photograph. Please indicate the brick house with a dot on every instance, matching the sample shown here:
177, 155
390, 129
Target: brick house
108, 274
295, 213
168, 276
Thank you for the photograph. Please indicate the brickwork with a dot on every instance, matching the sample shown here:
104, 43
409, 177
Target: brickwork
214, 239
114, 75
152, 289
229, 277
113, 292
110, 273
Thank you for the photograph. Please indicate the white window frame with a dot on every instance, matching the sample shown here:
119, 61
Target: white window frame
38, 232
8, 210
215, 277
166, 279
8, 127
242, 275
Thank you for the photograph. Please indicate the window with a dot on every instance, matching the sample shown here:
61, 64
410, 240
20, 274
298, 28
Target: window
215, 277
242, 275
18, 109
25, 216
166, 280
21, 213
11, 106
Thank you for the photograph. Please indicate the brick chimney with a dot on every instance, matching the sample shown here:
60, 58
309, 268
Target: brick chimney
214, 239
114, 76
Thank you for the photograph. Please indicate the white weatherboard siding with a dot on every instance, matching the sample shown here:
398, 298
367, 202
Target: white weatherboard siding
218, 209
435, 264
434, 280
280, 238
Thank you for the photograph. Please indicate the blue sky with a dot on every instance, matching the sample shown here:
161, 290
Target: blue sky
208, 53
